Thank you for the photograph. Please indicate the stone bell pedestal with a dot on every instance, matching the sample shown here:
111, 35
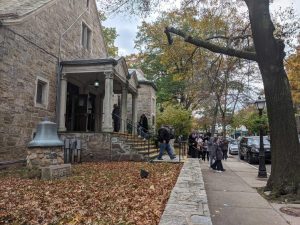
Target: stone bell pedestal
46, 152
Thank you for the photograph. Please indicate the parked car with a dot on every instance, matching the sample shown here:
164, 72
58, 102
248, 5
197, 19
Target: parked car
249, 149
233, 147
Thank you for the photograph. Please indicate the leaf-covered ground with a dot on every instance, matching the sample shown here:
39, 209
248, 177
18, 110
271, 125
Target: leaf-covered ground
96, 193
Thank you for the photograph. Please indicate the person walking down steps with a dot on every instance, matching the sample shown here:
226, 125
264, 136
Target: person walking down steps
164, 139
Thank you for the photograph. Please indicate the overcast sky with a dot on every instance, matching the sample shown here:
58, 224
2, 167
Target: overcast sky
127, 26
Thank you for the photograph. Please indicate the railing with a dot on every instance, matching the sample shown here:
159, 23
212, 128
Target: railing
133, 130
182, 149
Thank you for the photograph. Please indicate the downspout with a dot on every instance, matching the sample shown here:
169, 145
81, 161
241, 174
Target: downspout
59, 67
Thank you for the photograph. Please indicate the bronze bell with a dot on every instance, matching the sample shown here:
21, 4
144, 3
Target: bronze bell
46, 135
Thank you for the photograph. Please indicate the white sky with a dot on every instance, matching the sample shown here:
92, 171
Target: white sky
127, 27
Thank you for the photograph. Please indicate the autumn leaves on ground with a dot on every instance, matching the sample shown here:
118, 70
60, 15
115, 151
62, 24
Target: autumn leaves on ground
96, 193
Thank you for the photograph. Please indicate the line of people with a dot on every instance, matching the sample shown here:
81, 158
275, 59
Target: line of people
214, 149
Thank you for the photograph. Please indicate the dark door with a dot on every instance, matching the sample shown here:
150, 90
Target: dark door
72, 101
81, 113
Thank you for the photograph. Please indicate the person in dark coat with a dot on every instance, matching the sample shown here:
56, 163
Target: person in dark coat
217, 165
116, 118
192, 145
164, 138
143, 125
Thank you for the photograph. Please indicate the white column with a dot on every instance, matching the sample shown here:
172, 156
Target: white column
62, 104
124, 109
97, 113
107, 103
134, 113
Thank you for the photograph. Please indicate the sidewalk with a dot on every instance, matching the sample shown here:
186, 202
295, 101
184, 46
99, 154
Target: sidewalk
233, 199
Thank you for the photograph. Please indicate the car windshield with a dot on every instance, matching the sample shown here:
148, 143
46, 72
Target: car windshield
233, 143
256, 141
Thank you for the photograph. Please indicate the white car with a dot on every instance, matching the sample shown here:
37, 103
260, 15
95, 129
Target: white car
233, 148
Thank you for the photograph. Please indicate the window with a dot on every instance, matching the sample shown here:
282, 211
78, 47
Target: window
86, 36
41, 94
87, 3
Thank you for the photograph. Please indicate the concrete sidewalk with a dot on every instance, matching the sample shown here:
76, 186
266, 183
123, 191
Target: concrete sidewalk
233, 199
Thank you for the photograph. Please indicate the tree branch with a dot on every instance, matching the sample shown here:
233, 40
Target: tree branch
212, 47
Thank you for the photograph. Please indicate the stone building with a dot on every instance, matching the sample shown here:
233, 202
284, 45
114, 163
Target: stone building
146, 99
54, 64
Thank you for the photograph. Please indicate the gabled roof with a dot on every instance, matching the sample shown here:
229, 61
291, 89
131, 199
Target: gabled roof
141, 78
13, 9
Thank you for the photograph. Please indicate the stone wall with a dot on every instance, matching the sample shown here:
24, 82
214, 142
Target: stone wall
29, 50
41, 156
146, 103
94, 146
103, 147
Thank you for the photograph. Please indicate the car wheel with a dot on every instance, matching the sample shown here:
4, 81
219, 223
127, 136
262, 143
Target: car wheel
241, 157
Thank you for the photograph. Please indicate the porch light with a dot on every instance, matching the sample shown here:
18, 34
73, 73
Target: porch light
96, 83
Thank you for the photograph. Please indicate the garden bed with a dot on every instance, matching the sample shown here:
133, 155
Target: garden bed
96, 193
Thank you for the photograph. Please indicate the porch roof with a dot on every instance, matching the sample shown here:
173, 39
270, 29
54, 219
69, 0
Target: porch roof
100, 66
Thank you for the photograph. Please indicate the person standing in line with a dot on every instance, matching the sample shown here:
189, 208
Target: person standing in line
164, 138
199, 141
143, 124
210, 150
116, 118
217, 165
224, 147
192, 145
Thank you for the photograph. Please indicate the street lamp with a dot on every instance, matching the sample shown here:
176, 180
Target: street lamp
262, 173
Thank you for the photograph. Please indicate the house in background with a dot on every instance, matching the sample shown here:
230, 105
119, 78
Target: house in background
54, 64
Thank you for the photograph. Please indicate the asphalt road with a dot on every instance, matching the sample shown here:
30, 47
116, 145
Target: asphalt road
268, 164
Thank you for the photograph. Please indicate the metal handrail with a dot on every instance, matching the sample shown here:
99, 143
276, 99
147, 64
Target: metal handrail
142, 145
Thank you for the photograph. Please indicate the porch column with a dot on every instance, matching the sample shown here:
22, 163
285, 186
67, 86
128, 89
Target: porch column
62, 105
107, 103
124, 109
134, 113
98, 113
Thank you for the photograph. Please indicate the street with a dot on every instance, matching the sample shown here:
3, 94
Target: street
268, 164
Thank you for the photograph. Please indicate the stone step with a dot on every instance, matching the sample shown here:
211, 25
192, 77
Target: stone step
145, 152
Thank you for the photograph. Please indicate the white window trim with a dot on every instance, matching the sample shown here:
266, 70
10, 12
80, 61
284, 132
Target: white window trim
91, 37
45, 93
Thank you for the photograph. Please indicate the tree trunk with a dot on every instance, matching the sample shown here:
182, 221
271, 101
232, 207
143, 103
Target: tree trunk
214, 121
285, 174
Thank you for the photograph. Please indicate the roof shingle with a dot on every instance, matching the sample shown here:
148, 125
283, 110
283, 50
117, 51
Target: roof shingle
12, 9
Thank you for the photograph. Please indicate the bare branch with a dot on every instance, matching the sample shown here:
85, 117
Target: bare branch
212, 47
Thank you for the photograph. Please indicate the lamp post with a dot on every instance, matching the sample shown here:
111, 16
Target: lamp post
262, 173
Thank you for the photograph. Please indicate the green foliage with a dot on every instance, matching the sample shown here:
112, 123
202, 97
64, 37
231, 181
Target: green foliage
177, 117
109, 35
249, 117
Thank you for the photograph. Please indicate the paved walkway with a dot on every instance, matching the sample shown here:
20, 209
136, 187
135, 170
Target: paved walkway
227, 198
233, 199
187, 204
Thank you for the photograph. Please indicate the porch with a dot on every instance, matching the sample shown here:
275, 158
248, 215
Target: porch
86, 96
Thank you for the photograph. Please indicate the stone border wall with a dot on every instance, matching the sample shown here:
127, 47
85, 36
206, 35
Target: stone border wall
188, 204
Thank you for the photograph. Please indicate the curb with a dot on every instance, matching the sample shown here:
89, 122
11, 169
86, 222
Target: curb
187, 204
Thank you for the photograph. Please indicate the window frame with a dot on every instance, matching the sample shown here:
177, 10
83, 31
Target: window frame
88, 36
45, 92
